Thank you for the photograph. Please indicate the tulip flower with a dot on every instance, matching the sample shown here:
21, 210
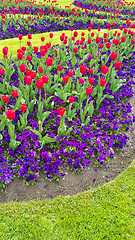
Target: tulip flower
104, 69
82, 68
23, 107
113, 56
118, 65
5, 98
102, 82
15, 93
10, 114
89, 90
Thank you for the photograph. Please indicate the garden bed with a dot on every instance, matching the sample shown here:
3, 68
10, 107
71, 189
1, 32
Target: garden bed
72, 183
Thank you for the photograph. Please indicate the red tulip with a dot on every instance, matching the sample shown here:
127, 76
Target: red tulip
59, 68
65, 41
104, 69
123, 39
61, 38
116, 42
101, 45
91, 25
98, 39
29, 58
65, 78
20, 36
49, 61
5, 98
125, 30
113, 56
39, 83
45, 78
42, 39
5, 50
0, 108
108, 45
2, 71
29, 36
91, 80
75, 34
28, 80
40, 70
90, 71
23, 48
33, 75
71, 99
23, 107
61, 111
82, 68
81, 80
28, 72
105, 35
75, 49
102, 82
118, 65
15, 93
22, 67
51, 35
89, 90
73, 38
10, 114
92, 34
70, 73
35, 49
109, 25
20, 55
28, 43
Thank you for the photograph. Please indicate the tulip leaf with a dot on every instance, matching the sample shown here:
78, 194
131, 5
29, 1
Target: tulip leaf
47, 139
1, 137
73, 61
91, 109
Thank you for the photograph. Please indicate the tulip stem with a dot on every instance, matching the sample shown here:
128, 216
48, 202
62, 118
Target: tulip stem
45, 91
39, 96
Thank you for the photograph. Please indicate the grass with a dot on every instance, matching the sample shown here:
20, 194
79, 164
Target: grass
36, 40
107, 212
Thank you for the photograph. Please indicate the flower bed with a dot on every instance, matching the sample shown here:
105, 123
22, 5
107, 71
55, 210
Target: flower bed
65, 104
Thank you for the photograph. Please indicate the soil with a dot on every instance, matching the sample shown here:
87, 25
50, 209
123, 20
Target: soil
72, 183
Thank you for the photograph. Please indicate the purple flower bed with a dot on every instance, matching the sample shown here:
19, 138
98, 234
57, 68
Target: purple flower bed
104, 133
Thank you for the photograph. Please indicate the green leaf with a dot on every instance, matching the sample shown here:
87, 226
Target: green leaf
91, 109
17, 105
47, 139
31, 105
34, 131
1, 137
94, 91
44, 116
2, 89
87, 121
109, 97
73, 61
69, 131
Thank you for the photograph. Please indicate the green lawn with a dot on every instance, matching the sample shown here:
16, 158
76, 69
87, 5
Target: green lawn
107, 212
